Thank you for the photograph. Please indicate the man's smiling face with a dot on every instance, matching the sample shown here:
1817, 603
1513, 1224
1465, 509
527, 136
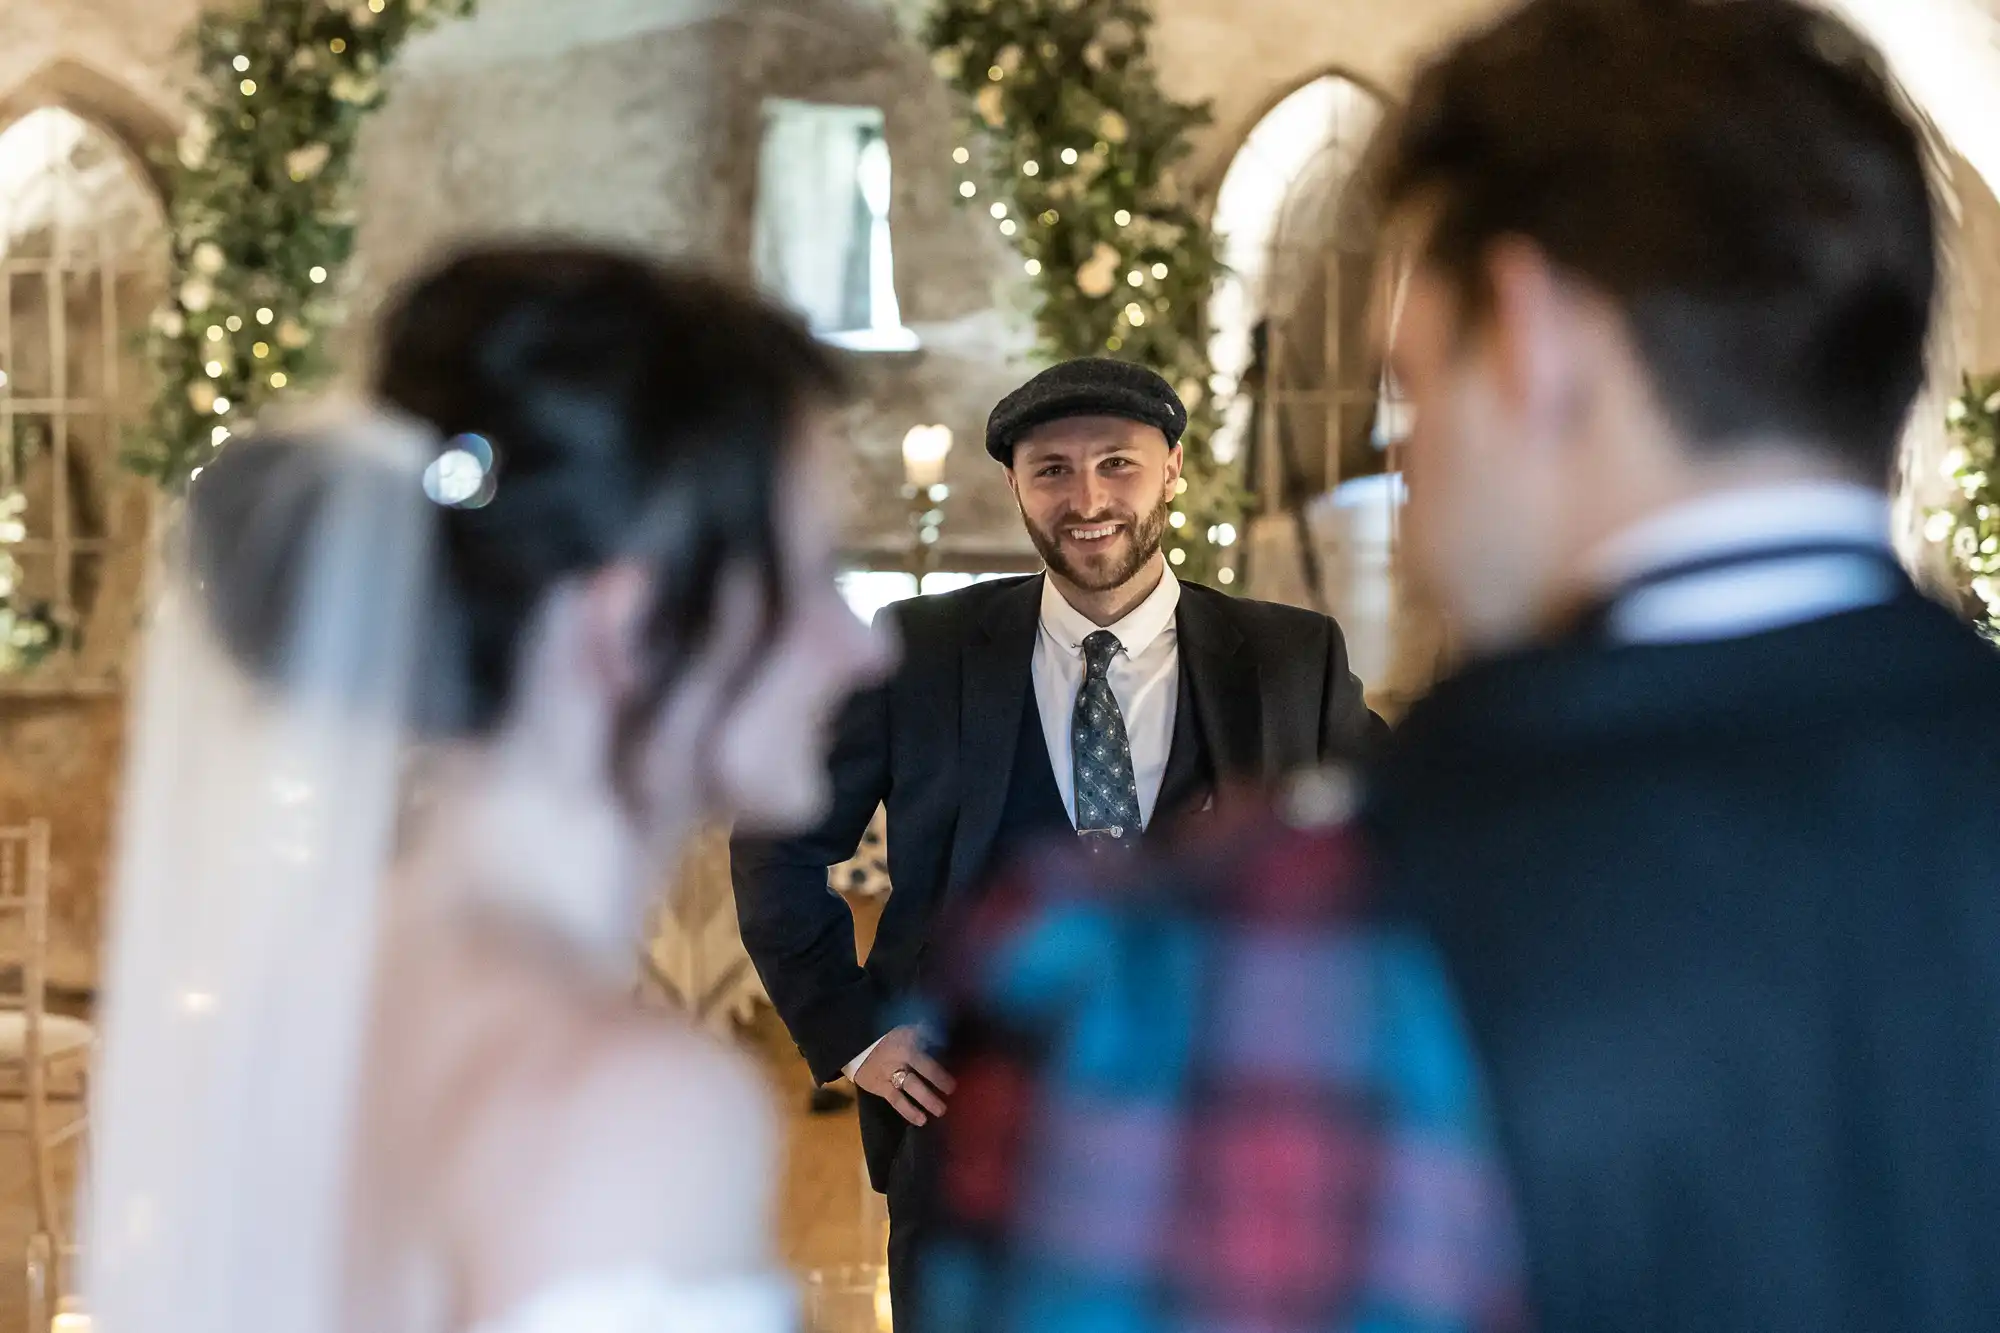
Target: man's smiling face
1094, 493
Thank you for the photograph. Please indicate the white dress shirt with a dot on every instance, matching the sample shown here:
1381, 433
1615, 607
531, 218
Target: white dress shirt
1144, 677
1749, 599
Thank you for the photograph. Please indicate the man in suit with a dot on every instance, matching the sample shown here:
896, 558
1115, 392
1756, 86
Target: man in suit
1704, 826
1100, 699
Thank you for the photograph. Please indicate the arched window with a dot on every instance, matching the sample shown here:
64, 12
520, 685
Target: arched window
1291, 341
1308, 409
84, 261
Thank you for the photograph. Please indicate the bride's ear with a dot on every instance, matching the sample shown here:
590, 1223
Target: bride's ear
612, 620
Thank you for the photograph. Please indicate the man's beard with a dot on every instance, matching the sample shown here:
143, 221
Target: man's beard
1119, 563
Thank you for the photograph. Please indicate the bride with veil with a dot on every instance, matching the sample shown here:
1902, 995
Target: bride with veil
435, 690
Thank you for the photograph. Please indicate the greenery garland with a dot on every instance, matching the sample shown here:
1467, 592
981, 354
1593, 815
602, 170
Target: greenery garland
259, 214
1968, 528
1081, 145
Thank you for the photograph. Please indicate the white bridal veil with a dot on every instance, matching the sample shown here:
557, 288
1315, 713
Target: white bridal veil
259, 814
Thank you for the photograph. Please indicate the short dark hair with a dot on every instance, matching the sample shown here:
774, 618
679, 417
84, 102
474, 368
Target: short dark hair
635, 411
1741, 177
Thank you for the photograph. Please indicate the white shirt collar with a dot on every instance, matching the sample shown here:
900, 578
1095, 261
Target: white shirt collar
1143, 624
1731, 601
1741, 520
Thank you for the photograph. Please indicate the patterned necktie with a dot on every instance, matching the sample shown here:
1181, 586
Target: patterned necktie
1107, 795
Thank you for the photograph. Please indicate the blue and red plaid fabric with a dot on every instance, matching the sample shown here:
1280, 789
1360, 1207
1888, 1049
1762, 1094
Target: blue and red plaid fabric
1210, 1092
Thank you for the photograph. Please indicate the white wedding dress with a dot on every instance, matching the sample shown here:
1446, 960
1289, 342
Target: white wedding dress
640, 1302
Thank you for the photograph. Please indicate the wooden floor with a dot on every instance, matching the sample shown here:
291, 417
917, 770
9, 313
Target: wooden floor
17, 1216
833, 1230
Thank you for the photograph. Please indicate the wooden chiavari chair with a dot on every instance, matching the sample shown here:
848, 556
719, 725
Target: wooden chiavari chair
44, 1065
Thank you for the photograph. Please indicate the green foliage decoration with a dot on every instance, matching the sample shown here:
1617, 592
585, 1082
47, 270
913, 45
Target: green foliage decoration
1968, 526
1072, 149
260, 213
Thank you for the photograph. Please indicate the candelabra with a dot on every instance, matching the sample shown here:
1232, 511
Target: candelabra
925, 449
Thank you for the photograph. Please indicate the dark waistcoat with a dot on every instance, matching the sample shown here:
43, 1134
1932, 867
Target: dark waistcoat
1034, 811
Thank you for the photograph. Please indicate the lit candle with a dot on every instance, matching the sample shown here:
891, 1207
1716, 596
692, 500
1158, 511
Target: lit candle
925, 449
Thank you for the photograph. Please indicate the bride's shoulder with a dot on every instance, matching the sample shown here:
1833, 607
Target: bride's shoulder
631, 1142
636, 1071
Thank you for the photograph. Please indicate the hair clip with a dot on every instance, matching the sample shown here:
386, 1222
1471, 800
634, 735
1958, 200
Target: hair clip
462, 475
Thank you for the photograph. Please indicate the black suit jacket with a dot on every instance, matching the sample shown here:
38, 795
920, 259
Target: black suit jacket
1272, 691
1725, 919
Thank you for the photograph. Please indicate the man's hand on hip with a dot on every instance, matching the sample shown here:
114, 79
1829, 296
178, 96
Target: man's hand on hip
900, 1072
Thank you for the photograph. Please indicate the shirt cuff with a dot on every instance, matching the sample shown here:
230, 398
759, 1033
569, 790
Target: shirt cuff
852, 1065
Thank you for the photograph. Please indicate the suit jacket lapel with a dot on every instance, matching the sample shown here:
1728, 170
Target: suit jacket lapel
1227, 692
995, 674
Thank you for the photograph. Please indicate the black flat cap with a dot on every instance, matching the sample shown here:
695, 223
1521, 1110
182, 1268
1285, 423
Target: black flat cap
1092, 386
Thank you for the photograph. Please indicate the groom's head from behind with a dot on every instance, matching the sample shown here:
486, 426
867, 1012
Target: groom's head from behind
1646, 249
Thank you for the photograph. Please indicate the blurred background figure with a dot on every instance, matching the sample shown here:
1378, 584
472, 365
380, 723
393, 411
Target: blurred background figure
1698, 827
367, 1078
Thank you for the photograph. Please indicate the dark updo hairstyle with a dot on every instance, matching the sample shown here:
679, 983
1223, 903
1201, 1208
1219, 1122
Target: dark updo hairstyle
633, 411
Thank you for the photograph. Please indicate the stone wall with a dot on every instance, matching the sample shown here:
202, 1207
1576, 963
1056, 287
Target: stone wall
118, 61
642, 126
1975, 272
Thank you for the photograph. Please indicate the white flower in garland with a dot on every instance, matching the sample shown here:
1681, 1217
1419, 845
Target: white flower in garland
305, 163
23, 637
354, 89
195, 143
13, 519
1099, 273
